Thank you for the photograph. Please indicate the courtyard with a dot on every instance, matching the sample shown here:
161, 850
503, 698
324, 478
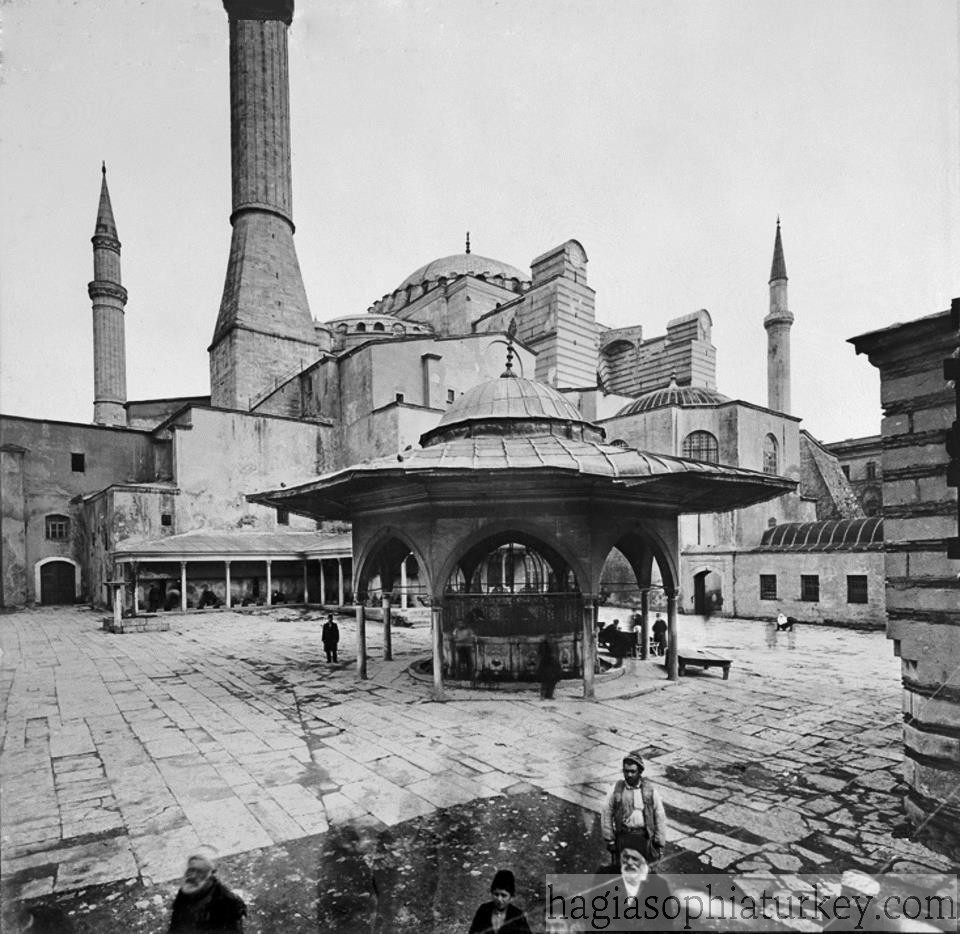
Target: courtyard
122, 753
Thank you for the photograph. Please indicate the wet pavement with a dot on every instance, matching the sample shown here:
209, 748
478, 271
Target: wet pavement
337, 802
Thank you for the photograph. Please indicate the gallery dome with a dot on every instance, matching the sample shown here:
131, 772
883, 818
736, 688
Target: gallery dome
683, 396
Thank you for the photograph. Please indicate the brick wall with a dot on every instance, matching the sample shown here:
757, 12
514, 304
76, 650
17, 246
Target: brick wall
923, 591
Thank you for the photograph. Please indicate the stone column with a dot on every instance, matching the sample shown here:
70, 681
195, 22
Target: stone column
226, 577
672, 667
436, 634
403, 584
644, 624
118, 607
183, 586
361, 642
339, 582
306, 586
387, 633
136, 589
588, 654
269, 600
323, 586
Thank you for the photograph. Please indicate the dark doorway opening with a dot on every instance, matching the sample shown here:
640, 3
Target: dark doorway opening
57, 583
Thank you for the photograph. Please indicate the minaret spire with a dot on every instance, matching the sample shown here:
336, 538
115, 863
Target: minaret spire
778, 323
109, 298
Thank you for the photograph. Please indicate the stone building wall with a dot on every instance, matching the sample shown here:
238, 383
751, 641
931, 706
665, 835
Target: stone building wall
42, 482
923, 590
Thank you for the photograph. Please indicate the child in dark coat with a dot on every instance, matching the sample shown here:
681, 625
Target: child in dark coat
499, 915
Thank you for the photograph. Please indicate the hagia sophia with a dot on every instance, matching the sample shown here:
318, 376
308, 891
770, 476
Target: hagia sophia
163, 482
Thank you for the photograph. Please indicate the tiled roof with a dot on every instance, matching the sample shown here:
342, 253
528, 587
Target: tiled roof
690, 486
201, 543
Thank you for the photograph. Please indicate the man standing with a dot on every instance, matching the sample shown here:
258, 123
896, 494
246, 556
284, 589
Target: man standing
634, 807
330, 636
660, 634
204, 903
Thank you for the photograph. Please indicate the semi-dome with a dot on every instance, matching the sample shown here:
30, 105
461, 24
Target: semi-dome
673, 395
510, 405
463, 264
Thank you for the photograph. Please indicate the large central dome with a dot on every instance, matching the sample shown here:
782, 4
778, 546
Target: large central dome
463, 264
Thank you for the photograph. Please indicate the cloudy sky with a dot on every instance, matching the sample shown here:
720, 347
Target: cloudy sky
665, 136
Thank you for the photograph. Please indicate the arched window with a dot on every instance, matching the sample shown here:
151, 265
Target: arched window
361, 328
378, 326
701, 446
58, 528
771, 456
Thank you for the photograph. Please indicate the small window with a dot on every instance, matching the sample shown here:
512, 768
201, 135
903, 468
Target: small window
361, 328
810, 588
857, 588
451, 395
768, 586
378, 326
701, 446
870, 468
58, 527
283, 517
846, 470
772, 522
771, 455
399, 397
78, 462
166, 519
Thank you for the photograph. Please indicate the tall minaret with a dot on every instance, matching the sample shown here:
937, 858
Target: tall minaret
778, 323
109, 298
264, 330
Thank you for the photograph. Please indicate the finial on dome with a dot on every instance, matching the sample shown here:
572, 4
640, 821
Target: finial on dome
511, 330
468, 242
673, 380
103, 167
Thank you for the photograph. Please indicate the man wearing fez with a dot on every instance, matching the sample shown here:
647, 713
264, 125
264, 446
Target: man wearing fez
634, 806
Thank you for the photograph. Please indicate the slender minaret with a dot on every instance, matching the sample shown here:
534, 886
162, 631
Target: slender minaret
778, 323
109, 298
264, 330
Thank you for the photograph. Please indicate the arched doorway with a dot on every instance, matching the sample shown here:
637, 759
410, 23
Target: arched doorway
707, 592
58, 582
505, 597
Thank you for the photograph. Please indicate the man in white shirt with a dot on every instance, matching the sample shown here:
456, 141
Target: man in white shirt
634, 806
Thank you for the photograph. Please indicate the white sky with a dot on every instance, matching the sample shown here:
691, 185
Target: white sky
665, 136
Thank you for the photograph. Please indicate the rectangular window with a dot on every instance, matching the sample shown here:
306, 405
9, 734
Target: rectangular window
283, 517
166, 518
58, 528
768, 586
78, 463
451, 395
810, 588
857, 588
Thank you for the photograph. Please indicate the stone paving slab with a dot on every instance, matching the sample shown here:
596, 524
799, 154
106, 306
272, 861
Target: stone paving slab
123, 752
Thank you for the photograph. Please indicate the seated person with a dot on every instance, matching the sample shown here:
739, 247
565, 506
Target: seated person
208, 598
172, 602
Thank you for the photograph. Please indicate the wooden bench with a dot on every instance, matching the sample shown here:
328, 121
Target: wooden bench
701, 658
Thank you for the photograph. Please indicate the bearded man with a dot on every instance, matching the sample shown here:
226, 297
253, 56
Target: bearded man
204, 903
